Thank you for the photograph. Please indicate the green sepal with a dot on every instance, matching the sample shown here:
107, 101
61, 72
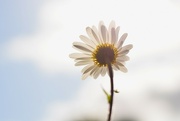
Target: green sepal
108, 96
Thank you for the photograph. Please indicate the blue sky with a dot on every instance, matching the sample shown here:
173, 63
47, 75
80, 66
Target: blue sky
39, 82
24, 91
17, 17
25, 97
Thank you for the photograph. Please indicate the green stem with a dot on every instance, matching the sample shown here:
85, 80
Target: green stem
112, 91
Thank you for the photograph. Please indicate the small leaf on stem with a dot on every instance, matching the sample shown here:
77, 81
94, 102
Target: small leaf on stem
116, 91
108, 96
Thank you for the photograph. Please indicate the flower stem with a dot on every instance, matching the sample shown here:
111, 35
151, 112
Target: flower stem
112, 91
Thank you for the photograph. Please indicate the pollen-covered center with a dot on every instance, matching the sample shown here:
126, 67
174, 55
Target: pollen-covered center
104, 53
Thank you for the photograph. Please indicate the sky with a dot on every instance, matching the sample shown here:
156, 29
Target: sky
39, 82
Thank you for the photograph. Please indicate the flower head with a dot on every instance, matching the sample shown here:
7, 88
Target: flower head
100, 48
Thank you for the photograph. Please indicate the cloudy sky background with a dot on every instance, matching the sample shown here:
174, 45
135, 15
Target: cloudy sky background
39, 82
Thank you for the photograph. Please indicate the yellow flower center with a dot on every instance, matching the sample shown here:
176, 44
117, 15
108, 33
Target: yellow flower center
104, 54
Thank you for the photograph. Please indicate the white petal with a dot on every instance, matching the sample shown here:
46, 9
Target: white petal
86, 67
122, 53
79, 55
87, 71
90, 34
111, 25
82, 46
101, 23
84, 76
93, 70
80, 63
104, 34
103, 73
123, 63
117, 32
121, 40
113, 36
95, 34
115, 67
96, 73
90, 68
83, 59
107, 71
87, 41
127, 47
123, 58
120, 63
123, 69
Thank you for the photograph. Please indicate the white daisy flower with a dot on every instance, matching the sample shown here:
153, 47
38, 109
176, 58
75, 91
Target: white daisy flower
100, 48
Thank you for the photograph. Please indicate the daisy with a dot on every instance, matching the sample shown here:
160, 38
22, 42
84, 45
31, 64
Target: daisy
100, 49
102, 52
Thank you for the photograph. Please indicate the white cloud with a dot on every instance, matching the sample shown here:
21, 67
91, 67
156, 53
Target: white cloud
84, 104
139, 98
153, 29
